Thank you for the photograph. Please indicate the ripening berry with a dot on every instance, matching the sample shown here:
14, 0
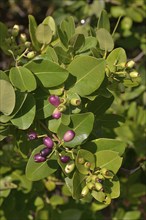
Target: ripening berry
32, 135
54, 100
69, 135
70, 167
45, 152
47, 141
56, 114
64, 159
38, 158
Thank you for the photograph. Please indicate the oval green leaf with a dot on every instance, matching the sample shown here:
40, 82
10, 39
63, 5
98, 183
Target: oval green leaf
7, 97
44, 34
105, 39
49, 73
22, 78
89, 72
25, 116
36, 171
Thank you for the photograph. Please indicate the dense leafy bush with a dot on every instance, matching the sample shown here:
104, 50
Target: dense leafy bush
68, 118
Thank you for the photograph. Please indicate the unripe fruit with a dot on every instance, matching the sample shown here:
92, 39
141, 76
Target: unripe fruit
87, 164
75, 102
47, 141
130, 64
85, 191
90, 185
61, 108
100, 176
70, 167
94, 177
45, 152
15, 30
23, 38
27, 44
98, 186
122, 65
81, 160
109, 174
31, 55
32, 135
38, 158
133, 74
56, 114
54, 100
64, 159
103, 171
69, 135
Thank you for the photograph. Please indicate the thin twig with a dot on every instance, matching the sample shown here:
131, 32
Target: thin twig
138, 57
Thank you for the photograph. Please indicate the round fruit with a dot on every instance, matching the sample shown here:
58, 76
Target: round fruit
130, 64
61, 108
98, 186
31, 55
47, 141
134, 74
32, 135
69, 167
69, 135
38, 158
45, 152
81, 160
56, 114
64, 159
75, 102
54, 100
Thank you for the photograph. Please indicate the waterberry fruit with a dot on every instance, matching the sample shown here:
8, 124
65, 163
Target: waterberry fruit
54, 100
98, 186
81, 160
130, 64
32, 135
75, 102
69, 135
87, 164
90, 185
47, 141
134, 74
70, 167
45, 152
64, 159
31, 55
85, 191
56, 114
38, 158
61, 108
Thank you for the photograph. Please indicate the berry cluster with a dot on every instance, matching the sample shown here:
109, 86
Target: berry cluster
61, 104
48, 142
95, 182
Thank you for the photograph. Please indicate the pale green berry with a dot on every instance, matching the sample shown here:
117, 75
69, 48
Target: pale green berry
133, 74
85, 191
130, 64
70, 167
98, 186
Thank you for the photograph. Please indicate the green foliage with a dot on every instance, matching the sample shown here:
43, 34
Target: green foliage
86, 67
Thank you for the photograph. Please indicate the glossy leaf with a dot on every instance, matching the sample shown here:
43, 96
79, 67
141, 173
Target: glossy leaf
89, 71
117, 56
22, 78
78, 184
107, 144
32, 30
25, 116
50, 21
103, 21
68, 27
44, 34
82, 126
108, 159
7, 97
105, 39
49, 73
36, 171
88, 157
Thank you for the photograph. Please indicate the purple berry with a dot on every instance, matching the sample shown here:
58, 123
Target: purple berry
32, 135
45, 152
69, 135
54, 100
56, 114
64, 159
47, 141
38, 158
